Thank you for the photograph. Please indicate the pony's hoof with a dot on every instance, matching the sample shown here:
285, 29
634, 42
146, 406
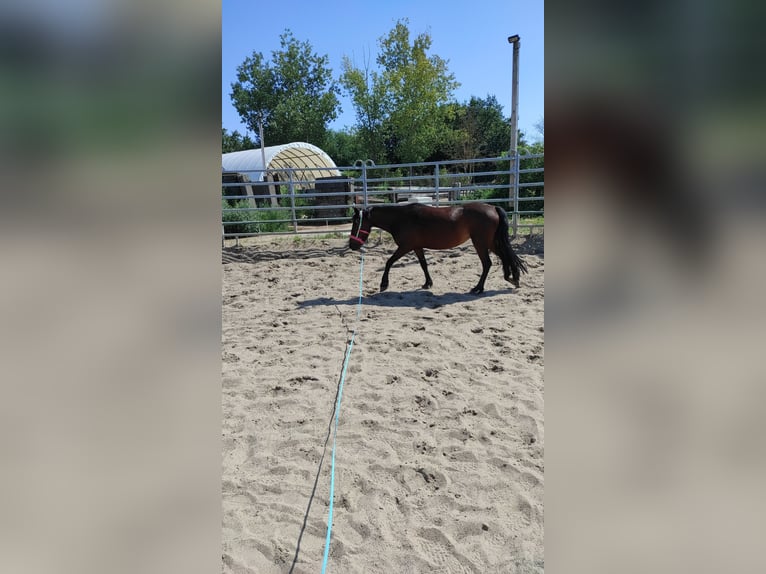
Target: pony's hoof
383, 288
427, 285
477, 290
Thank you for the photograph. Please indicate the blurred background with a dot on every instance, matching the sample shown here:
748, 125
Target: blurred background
655, 238
110, 292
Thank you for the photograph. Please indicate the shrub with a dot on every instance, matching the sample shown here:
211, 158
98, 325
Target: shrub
503, 182
237, 219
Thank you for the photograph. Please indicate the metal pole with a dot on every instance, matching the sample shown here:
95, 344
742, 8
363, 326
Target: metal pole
292, 201
260, 137
436, 182
517, 164
514, 187
265, 176
516, 41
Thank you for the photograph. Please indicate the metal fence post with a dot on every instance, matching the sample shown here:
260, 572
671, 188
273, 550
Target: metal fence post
516, 165
386, 180
292, 199
512, 190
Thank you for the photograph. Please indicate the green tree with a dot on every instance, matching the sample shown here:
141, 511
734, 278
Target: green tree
368, 92
492, 132
454, 139
294, 95
235, 141
398, 107
535, 148
344, 147
475, 129
503, 182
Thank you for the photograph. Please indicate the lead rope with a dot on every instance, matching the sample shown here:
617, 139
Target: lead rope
337, 413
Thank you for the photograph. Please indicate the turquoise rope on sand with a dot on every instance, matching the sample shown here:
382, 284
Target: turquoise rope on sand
337, 415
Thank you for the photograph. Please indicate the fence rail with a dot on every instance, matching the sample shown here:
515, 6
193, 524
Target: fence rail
284, 204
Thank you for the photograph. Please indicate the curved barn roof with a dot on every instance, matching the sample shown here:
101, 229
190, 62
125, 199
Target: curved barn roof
308, 161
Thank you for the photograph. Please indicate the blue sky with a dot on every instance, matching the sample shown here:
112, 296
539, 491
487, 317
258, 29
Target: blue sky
472, 36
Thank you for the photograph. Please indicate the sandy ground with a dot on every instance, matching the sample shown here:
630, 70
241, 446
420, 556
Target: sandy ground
439, 464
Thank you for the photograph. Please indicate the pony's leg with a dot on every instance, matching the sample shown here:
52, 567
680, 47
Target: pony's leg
422, 258
398, 254
483, 252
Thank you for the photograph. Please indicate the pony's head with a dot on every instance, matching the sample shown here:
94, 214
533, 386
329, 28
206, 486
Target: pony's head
360, 228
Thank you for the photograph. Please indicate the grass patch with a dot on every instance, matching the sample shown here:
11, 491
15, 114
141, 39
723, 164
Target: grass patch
536, 220
237, 219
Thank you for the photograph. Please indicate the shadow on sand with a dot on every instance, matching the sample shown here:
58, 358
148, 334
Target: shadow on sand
412, 299
531, 245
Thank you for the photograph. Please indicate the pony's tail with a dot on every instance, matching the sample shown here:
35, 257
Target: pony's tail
513, 266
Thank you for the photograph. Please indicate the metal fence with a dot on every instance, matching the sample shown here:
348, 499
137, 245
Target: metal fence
285, 204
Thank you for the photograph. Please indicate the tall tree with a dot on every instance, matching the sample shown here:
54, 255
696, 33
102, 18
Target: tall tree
368, 92
399, 105
474, 129
344, 147
490, 131
294, 95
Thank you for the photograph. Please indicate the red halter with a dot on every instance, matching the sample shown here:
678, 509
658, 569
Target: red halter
359, 231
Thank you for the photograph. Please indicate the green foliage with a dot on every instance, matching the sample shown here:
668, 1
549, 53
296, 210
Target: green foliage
490, 131
237, 219
235, 141
368, 92
398, 107
418, 84
294, 95
473, 130
535, 177
232, 219
344, 147
503, 182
